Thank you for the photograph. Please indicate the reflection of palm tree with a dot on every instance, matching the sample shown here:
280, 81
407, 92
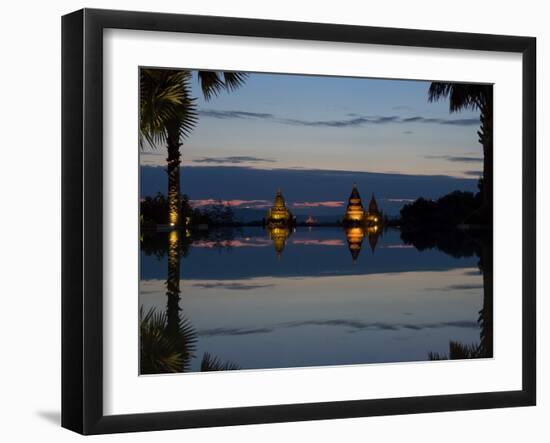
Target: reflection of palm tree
168, 341
486, 313
457, 351
210, 363
168, 352
168, 114
173, 283
472, 96
161, 350
485, 320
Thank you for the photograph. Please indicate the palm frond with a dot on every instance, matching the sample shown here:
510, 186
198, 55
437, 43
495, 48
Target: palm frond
211, 363
213, 83
162, 351
460, 351
165, 106
437, 356
461, 95
234, 80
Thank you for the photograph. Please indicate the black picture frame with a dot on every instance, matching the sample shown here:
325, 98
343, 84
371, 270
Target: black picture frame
82, 240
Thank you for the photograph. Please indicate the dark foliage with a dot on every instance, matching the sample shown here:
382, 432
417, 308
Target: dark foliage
165, 106
212, 82
211, 363
474, 97
455, 242
156, 243
154, 211
163, 350
458, 243
459, 351
448, 211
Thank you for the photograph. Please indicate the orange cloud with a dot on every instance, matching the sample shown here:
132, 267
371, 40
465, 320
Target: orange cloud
324, 204
334, 242
233, 203
243, 243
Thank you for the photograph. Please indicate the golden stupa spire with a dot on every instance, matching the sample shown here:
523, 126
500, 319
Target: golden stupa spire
278, 214
354, 211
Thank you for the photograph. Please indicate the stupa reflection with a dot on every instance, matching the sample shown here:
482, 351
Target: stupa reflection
355, 236
373, 233
279, 235
355, 240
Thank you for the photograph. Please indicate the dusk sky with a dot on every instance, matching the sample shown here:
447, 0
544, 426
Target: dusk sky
293, 123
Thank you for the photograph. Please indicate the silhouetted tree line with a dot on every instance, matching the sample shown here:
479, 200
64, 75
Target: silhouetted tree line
457, 244
156, 243
446, 212
154, 211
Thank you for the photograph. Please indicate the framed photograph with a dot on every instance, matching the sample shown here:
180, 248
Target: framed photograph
269, 221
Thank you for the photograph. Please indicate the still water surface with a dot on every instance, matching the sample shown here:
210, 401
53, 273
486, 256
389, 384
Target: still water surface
318, 296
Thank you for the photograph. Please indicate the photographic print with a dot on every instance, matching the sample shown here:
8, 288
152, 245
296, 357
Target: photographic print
299, 220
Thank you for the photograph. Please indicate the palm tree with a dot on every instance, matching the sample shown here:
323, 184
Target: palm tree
161, 350
213, 83
164, 349
458, 351
473, 96
210, 363
168, 115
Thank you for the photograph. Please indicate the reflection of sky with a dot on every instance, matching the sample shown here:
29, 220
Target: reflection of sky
325, 253
289, 121
314, 306
274, 322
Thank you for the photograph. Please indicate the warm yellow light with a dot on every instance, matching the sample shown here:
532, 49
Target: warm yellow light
355, 215
354, 234
173, 217
173, 238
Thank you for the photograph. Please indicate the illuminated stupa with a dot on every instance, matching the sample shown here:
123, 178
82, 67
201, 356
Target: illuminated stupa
356, 215
278, 214
354, 212
373, 215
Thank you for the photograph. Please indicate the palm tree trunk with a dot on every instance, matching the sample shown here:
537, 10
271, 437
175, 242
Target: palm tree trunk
173, 160
173, 285
485, 134
173, 281
486, 312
